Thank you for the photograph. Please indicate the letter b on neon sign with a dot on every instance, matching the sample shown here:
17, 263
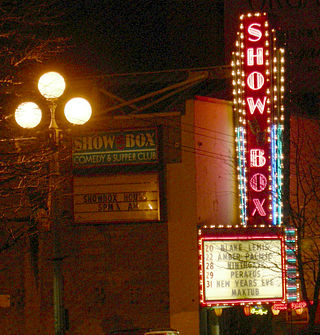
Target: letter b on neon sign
257, 158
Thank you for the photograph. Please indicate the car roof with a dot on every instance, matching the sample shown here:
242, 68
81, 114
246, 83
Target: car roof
133, 331
161, 331
143, 331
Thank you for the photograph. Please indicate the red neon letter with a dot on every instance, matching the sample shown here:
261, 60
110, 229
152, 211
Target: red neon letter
254, 32
255, 80
259, 207
258, 55
258, 182
257, 158
258, 104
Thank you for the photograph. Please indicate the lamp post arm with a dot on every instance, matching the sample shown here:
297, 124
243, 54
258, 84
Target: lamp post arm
55, 131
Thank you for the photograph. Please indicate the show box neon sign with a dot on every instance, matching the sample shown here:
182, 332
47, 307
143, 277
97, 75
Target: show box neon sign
258, 94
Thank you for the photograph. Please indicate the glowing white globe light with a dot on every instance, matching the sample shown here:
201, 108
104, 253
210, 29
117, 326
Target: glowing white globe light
28, 115
51, 85
78, 111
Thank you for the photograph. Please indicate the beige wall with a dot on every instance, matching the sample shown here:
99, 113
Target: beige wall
217, 199
200, 190
182, 235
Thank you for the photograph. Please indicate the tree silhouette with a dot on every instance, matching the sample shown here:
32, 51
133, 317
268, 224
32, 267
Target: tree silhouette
30, 33
304, 206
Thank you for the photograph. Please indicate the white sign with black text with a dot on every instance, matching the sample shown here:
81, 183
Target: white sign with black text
116, 198
242, 269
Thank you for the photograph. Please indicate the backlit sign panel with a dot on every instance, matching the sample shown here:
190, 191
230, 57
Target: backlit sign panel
116, 198
137, 146
258, 95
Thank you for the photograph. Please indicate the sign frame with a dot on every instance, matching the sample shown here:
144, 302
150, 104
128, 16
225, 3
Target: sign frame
239, 234
114, 148
118, 197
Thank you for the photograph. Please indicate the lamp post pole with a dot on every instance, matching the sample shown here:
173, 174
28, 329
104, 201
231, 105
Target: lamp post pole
52, 85
28, 115
54, 205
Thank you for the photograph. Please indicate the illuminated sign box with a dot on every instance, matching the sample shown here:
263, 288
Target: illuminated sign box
137, 146
239, 266
258, 81
116, 198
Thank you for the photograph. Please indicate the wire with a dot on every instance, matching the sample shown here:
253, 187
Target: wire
226, 68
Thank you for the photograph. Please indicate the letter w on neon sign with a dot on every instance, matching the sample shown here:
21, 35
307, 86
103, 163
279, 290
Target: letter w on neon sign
258, 104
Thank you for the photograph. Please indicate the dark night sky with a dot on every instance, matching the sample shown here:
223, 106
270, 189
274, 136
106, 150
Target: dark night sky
129, 36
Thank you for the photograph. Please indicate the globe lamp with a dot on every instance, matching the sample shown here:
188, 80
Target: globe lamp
78, 111
28, 115
51, 85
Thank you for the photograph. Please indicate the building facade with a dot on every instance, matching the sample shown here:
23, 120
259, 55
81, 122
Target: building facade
124, 270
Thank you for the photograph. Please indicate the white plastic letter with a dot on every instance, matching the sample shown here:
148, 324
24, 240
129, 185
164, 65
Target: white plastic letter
251, 55
254, 32
255, 80
258, 104
257, 158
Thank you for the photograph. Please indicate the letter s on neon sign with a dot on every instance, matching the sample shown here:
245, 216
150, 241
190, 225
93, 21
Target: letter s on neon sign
254, 32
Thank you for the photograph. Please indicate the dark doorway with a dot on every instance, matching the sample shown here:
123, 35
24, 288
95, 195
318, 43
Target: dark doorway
233, 321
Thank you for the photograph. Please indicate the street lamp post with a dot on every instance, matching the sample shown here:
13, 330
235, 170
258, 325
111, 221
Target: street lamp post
51, 85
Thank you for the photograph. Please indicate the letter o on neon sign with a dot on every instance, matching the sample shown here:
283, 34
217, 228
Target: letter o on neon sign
258, 182
255, 80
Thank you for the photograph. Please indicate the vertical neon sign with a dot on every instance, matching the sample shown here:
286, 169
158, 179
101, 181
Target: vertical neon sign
258, 95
